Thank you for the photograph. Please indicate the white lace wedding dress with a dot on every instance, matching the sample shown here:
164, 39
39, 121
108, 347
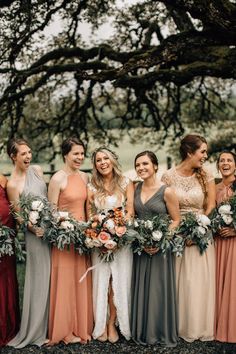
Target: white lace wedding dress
119, 271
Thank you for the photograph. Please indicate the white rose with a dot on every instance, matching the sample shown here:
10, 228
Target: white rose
63, 214
37, 205
225, 209
96, 242
66, 225
157, 235
110, 245
110, 225
203, 220
227, 219
201, 230
33, 217
89, 242
136, 223
149, 224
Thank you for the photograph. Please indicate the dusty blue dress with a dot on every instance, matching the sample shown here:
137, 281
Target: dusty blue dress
153, 312
34, 322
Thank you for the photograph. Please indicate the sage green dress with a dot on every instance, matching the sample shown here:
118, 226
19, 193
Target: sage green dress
33, 329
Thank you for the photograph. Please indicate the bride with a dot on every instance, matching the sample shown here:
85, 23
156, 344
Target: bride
111, 281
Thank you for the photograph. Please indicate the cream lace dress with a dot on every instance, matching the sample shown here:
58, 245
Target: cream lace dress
195, 273
119, 271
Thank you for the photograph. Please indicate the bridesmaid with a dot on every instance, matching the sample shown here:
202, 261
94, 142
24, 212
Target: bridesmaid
9, 299
153, 317
225, 318
195, 273
27, 179
71, 318
111, 281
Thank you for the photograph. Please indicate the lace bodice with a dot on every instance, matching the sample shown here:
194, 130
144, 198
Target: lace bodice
188, 190
109, 201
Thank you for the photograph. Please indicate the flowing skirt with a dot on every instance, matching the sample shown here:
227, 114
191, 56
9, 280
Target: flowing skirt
154, 315
195, 281
70, 301
225, 317
120, 272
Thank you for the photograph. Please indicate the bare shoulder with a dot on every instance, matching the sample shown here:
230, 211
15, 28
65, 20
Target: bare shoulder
38, 169
13, 189
169, 192
84, 177
11, 184
58, 177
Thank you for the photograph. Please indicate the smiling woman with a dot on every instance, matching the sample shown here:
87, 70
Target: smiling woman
195, 273
26, 179
225, 324
70, 318
109, 189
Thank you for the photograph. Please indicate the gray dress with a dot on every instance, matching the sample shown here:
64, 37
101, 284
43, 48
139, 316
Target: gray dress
34, 322
153, 313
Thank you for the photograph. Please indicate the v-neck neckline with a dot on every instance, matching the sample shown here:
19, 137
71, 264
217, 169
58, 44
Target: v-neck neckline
144, 203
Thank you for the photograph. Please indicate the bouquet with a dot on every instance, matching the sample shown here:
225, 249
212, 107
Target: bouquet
7, 243
65, 231
155, 233
196, 228
108, 232
224, 215
34, 210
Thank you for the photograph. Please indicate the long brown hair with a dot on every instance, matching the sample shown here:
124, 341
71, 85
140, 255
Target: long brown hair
189, 144
97, 179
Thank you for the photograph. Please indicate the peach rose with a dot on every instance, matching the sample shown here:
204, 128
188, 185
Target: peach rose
120, 230
110, 245
104, 236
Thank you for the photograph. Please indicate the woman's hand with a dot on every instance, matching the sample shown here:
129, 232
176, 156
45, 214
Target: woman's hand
151, 250
227, 232
189, 243
38, 231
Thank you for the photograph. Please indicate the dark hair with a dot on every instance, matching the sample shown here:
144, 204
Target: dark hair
12, 146
68, 143
233, 185
225, 152
148, 153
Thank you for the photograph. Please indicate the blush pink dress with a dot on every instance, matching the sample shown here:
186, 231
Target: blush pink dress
225, 316
71, 301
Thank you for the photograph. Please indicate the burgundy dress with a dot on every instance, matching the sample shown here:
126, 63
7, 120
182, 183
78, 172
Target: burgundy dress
9, 299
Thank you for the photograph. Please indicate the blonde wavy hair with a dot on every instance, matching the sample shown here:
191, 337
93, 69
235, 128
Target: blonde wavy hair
189, 144
97, 178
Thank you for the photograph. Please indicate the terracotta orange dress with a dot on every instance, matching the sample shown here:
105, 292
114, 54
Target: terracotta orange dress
225, 316
71, 301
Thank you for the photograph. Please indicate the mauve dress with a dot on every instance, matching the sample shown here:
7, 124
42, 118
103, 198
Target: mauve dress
225, 317
71, 309
9, 299
33, 329
153, 311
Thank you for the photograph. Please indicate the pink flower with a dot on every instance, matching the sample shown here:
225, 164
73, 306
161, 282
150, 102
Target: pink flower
120, 230
110, 245
104, 236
